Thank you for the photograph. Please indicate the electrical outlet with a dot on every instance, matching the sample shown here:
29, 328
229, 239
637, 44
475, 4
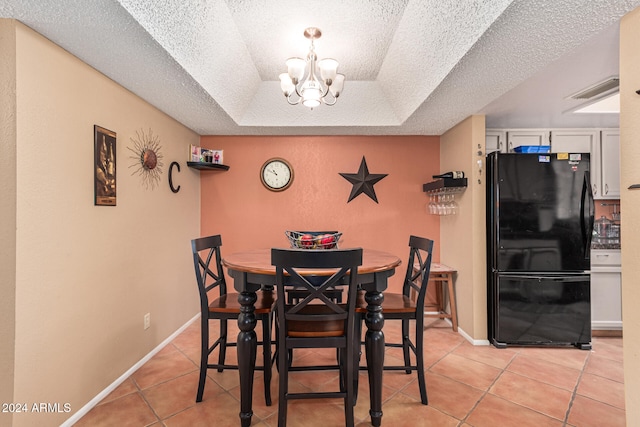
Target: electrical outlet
147, 320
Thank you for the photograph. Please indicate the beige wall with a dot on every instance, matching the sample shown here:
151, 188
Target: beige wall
630, 206
235, 204
463, 236
85, 274
7, 208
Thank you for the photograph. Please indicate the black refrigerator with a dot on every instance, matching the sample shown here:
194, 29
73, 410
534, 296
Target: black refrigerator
540, 213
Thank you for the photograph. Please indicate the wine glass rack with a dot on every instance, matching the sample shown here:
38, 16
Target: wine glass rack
445, 185
442, 195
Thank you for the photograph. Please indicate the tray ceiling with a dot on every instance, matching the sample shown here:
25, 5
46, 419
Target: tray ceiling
412, 67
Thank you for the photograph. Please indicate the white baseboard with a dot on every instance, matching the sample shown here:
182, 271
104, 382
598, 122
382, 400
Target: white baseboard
461, 331
606, 325
104, 393
470, 339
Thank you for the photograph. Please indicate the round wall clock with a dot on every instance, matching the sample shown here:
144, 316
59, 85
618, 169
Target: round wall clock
276, 174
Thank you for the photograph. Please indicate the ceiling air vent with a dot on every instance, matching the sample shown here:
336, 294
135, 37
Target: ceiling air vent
598, 89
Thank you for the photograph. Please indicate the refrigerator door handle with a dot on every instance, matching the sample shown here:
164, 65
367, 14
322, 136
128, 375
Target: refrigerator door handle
587, 214
547, 277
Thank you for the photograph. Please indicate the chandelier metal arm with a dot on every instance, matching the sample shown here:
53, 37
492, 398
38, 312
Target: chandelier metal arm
325, 95
312, 89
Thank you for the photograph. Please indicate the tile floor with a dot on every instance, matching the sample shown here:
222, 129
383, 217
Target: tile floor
467, 386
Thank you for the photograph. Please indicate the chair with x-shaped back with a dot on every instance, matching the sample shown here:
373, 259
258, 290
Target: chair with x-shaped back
402, 307
316, 320
217, 304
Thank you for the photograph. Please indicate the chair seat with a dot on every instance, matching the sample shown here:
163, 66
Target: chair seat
393, 303
229, 303
306, 328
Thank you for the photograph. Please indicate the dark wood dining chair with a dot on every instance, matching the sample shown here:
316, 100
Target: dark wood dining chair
317, 321
402, 307
218, 304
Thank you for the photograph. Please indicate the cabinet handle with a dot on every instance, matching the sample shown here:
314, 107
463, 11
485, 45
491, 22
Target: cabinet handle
595, 189
606, 189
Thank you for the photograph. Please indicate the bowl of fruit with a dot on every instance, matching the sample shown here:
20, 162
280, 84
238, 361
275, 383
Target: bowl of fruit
313, 239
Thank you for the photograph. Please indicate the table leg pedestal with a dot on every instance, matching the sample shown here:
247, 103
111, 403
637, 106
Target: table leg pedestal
374, 346
247, 348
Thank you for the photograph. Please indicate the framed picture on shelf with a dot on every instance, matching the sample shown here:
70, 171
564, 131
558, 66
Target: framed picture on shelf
104, 169
216, 156
195, 153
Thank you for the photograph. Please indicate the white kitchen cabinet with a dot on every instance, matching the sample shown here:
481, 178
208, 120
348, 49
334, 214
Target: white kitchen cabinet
581, 141
606, 290
574, 141
602, 144
519, 137
610, 163
495, 140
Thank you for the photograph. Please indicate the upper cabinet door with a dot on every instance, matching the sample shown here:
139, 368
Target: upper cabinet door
574, 141
517, 138
610, 161
495, 141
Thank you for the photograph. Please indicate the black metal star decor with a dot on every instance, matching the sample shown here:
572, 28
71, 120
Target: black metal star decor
363, 181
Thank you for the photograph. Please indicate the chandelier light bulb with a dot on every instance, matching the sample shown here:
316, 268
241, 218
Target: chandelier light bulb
286, 84
311, 82
337, 85
296, 67
328, 69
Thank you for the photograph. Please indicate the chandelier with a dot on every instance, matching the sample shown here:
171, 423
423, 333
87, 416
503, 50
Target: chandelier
301, 83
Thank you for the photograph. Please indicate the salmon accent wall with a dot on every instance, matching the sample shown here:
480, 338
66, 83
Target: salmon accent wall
236, 204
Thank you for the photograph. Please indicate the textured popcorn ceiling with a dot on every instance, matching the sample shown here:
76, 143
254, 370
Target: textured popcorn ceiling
412, 66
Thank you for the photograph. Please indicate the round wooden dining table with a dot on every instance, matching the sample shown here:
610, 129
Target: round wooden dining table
252, 270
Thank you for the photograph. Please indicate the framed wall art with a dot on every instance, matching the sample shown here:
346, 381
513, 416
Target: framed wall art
105, 166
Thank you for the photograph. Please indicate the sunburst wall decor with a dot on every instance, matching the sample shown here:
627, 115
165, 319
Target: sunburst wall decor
148, 158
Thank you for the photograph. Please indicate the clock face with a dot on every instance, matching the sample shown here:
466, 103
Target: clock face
276, 174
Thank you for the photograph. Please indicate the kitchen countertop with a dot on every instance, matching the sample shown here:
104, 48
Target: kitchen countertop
609, 246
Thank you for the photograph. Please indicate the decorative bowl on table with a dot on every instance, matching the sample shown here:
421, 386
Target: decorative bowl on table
313, 239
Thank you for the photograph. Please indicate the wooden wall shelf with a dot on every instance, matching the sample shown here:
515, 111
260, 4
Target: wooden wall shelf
207, 166
449, 184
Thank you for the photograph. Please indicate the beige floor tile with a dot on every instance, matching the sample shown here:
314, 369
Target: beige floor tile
545, 371
312, 413
173, 396
493, 411
527, 384
533, 394
570, 357
602, 390
128, 411
467, 371
402, 411
213, 412
605, 367
610, 348
447, 395
163, 367
498, 358
127, 387
586, 412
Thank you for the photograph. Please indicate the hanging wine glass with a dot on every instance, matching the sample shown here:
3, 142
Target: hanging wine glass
433, 209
